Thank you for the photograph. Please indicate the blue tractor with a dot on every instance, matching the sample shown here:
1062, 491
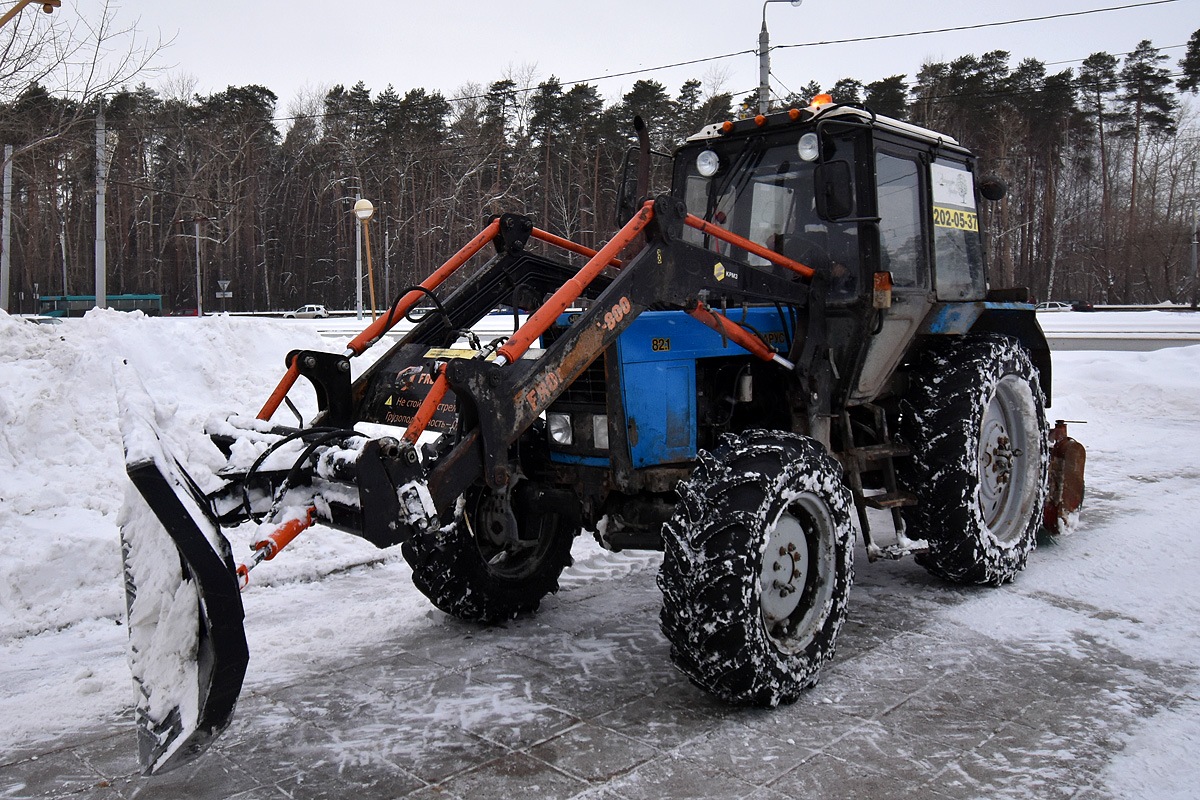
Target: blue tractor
799, 331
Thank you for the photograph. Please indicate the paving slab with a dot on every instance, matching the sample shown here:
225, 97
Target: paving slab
581, 701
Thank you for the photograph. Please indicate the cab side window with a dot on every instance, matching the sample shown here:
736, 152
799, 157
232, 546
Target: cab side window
901, 235
958, 258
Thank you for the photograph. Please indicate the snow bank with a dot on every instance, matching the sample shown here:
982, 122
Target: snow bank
61, 463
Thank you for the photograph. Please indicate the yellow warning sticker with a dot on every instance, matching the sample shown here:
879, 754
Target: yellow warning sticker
956, 219
450, 352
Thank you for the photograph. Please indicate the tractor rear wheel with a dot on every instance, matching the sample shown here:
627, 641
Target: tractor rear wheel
975, 419
503, 553
757, 567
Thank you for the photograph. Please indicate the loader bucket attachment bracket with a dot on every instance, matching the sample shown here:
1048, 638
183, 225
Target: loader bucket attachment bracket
329, 374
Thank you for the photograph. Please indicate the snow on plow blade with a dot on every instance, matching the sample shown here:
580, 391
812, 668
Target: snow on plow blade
187, 645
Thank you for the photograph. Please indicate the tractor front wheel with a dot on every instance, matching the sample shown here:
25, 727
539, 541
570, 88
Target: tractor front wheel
757, 567
498, 558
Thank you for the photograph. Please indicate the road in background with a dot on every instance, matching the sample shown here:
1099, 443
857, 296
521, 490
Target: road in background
1125, 331
1120, 331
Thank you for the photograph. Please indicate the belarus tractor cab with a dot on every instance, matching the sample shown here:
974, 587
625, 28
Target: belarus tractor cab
799, 331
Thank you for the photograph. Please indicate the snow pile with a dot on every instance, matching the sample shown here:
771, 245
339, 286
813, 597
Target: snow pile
62, 476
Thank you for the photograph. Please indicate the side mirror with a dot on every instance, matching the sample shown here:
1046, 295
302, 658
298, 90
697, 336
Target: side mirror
993, 188
834, 190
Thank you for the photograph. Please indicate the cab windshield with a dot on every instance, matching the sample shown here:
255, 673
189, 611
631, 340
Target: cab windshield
764, 191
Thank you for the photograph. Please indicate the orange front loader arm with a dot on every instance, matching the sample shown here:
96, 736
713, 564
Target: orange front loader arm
371, 334
541, 320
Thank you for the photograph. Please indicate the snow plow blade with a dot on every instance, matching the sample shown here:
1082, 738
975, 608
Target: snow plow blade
187, 644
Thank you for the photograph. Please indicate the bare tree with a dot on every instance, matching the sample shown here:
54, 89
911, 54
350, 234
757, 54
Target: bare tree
78, 54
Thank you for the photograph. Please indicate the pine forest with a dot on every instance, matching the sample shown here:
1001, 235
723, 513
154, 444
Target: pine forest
1100, 160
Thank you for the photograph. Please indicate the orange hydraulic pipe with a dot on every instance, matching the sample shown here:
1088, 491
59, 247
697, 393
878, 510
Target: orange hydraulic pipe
569, 292
731, 330
285, 385
567, 244
428, 407
269, 546
748, 246
381, 326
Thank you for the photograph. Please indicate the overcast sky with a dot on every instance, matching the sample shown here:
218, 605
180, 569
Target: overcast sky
296, 46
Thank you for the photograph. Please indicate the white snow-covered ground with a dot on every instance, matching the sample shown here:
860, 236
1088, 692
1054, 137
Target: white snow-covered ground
62, 637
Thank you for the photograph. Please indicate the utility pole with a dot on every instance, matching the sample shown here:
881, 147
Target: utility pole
101, 180
1195, 278
6, 230
62, 245
196, 220
199, 290
764, 58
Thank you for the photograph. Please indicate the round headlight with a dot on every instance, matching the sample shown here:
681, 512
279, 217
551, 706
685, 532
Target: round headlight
707, 163
559, 426
809, 147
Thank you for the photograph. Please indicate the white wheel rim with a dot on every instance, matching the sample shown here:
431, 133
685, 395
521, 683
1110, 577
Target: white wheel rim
1008, 459
796, 578
784, 570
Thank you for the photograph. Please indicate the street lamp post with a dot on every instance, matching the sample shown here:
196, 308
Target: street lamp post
199, 272
364, 211
47, 5
764, 58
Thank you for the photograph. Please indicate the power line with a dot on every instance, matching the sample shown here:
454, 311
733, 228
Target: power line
976, 26
527, 90
1079, 60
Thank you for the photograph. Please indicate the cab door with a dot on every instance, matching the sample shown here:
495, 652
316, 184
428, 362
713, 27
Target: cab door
900, 192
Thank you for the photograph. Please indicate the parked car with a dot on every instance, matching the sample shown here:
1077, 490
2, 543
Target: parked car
1053, 305
308, 312
41, 319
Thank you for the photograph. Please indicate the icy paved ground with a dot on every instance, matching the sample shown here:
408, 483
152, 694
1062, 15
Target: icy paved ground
582, 701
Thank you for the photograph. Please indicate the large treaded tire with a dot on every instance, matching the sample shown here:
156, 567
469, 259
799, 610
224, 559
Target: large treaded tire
975, 419
476, 579
733, 631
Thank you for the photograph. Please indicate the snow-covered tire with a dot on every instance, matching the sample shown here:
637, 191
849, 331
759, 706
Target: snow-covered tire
757, 567
476, 570
975, 419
